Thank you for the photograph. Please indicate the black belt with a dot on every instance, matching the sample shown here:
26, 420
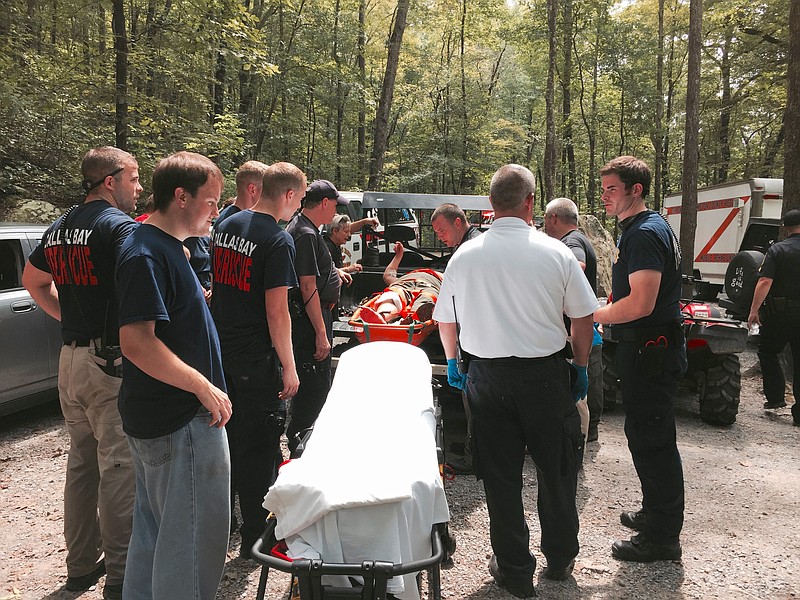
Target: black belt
638, 334
79, 343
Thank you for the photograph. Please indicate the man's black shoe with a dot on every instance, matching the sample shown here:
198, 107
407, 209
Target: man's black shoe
770, 405
518, 590
639, 549
84, 582
592, 435
633, 520
112, 592
460, 466
558, 574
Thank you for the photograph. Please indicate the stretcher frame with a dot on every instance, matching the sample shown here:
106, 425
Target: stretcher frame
376, 574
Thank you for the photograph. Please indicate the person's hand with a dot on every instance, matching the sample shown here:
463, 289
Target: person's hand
581, 386
399, 249
217, 403
753, 319
346, 278
455, 378
207, 296
291, 383
373, 222
355, 268
323, 347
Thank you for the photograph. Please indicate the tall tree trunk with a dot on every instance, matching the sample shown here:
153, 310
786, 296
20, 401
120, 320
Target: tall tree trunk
658, 137
102, 31
462, 179
380, 139
219, 88
550, 119
691, 139
726, 108
566, 106
791, 117
121, 74
339, 95
362, 98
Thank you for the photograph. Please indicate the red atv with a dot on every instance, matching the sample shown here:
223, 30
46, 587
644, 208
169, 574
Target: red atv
713, 344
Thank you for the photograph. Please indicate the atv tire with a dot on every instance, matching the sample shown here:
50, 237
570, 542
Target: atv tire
719, 390
610, 377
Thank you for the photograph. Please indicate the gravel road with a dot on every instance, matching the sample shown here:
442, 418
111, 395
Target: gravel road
740, 539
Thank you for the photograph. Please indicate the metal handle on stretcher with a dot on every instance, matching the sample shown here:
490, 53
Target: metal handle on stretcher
376, 574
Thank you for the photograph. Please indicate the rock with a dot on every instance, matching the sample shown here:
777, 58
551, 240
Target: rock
30, 211
604, 247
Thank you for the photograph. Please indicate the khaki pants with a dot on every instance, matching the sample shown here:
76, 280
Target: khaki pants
99, 489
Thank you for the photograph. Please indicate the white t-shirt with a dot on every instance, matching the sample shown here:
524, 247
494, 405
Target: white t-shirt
512, 287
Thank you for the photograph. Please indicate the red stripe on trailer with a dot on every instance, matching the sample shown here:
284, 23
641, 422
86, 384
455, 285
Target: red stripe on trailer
711, 205
718, 233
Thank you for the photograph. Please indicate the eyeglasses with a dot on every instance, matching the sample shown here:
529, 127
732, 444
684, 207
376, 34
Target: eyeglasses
89, 186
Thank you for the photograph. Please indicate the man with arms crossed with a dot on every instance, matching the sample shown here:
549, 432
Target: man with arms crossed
312, 323
173, 401
253, 271
80, 292
645, 321
518, 383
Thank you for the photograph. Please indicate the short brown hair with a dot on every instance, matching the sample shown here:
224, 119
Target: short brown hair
450, 212
281, 177
250, 172
98, 163
510, 185
630, 170
186, 170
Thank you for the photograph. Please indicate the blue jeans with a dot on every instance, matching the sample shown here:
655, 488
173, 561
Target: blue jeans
181, 517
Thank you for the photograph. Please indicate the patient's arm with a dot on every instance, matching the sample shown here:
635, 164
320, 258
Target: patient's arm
390, 274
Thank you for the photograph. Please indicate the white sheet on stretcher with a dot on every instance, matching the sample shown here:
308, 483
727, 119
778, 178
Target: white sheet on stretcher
367, 486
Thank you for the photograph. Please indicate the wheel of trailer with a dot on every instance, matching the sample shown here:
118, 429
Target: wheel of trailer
719, 390
610, 377
741, 277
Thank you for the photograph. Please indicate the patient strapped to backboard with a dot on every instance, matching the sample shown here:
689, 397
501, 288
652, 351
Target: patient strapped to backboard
367, 486
402, 312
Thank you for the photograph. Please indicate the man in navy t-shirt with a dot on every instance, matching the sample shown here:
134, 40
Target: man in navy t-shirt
253, 271
644, 320
173, 401
312, 323
249, 179
71, 275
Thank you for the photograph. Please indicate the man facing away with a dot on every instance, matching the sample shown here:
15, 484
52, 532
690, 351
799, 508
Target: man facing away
71, 275
518, 383
779, 317
312, 319
561, 223
644, 319
173, 401
249, 180
253, 271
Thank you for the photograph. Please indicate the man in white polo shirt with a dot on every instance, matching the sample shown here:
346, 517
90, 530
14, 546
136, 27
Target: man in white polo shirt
516, 283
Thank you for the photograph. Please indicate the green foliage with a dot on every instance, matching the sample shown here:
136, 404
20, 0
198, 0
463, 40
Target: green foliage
279, 80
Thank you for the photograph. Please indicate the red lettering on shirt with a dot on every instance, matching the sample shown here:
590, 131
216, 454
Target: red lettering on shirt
232, 268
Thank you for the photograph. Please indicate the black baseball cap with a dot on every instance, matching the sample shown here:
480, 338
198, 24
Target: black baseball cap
791, 218
322, 188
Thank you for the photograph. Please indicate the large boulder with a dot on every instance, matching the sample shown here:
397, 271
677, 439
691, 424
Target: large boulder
29, 211
604, 247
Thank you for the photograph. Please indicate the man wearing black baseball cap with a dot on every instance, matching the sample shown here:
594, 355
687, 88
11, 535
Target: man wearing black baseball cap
311, 303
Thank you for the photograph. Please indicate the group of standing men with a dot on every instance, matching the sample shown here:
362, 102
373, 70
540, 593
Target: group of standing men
148, 487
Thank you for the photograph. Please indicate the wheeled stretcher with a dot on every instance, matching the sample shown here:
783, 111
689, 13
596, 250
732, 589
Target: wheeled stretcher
362, 510
414, 296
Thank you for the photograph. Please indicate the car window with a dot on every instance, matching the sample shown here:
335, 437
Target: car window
10, 264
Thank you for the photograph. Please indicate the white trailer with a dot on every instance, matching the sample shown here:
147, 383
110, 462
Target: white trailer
731, 217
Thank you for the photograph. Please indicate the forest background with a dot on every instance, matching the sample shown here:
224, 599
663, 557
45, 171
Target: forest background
394, 95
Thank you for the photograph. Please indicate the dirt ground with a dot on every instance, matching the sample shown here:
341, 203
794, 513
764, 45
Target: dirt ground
740, 539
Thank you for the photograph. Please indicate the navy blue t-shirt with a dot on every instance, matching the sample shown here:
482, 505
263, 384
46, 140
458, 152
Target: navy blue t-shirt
782, 265
313, 258
252, 254
94, 235
200, 258
156, 283
647, 243
226, 212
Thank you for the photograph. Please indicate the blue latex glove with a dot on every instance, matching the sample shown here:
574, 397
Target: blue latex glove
581, 386
456, 378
